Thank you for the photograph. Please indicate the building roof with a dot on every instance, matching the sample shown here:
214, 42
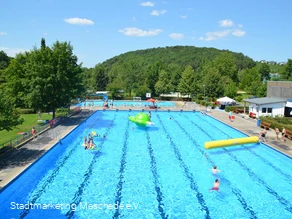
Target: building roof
265, 100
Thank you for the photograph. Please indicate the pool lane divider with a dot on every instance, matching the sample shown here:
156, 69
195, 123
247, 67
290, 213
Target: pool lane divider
123, 162
257, 155
52, 176
235, 191
188, 174
283, 201
159, 195
78, 195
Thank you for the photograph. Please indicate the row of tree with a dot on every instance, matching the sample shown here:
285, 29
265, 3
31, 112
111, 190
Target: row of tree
48, 78
222, 75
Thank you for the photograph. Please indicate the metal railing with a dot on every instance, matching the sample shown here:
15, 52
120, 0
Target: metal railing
39, 128
22, 138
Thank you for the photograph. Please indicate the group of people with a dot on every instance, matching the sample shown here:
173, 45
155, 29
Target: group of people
283, 134
88, 143
262, 135
216, 184
105, 104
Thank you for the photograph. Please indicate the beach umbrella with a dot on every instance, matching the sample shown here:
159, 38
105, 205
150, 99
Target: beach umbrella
225, 100
151, 100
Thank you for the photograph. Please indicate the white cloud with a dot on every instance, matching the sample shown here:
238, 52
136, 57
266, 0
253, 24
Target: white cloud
157, 13
235, 30
176, 36
184, 16
12, 51
3, 33
226, 23
147, 4
215, 35
133, 31
238, 33
79, 21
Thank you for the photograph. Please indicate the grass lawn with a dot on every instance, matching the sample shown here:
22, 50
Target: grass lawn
30, 120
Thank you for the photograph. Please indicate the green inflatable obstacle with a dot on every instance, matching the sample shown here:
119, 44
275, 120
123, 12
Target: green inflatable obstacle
141, 119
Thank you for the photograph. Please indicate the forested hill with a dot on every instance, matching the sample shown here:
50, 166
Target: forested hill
181, 55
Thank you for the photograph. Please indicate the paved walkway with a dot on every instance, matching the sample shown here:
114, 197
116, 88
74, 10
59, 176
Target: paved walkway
249, 126
15, 161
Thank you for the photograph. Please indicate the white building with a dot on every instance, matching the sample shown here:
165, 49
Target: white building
266, 106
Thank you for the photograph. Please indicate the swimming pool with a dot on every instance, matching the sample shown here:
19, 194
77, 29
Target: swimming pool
128, 103
159, 172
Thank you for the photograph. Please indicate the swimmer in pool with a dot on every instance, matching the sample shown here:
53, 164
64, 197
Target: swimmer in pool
216, 185
215, 170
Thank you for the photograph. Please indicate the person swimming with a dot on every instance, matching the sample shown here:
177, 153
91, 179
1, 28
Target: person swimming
216, 185
215, 170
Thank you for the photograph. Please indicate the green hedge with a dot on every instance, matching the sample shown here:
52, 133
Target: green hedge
231, 108
278, 122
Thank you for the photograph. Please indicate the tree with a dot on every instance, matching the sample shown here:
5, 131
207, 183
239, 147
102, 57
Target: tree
163, 85
43, 43
187, 82
231, 90
213, 86
286, 71
225, 63
54, 77
264, 71
15, 81
114, 88
152, 76
262, 90
251, 80
9, 117
142, 90
175, 74
100, 79
4, 60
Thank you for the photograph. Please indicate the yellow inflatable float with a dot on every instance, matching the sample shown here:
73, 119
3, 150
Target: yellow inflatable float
230, 142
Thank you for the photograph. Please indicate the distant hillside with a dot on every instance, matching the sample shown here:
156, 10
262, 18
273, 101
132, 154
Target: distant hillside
181, 55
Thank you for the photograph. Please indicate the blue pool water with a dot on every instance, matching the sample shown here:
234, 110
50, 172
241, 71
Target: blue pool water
162, 171
129, 103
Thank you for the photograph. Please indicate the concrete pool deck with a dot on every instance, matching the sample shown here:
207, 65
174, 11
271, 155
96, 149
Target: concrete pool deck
15, 161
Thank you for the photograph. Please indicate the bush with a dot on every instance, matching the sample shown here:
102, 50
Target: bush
239, 99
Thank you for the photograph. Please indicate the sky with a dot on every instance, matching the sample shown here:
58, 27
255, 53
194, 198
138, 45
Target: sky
101, 29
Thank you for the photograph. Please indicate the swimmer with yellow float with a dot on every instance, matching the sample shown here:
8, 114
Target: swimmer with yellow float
231, 142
